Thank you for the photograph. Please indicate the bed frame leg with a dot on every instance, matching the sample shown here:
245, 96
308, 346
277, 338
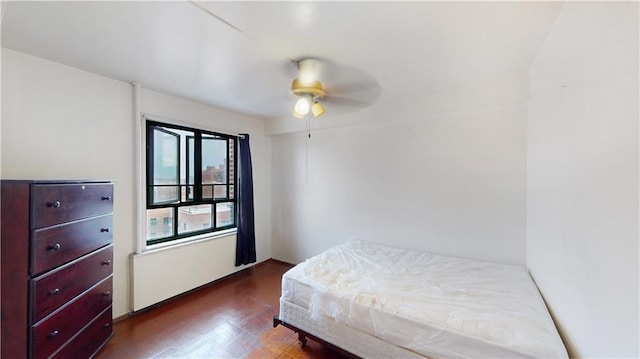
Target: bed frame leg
302, 337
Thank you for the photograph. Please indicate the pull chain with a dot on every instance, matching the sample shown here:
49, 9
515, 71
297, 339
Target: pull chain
306, 154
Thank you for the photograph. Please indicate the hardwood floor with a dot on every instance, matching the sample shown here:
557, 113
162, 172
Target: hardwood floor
229, 319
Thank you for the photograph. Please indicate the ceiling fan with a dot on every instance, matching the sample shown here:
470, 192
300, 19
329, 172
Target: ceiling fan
348, 88
308, 89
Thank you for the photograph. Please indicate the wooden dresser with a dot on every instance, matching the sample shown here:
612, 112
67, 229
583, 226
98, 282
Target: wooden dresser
56, 268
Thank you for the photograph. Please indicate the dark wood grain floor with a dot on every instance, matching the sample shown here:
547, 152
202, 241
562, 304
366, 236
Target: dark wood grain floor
229, 319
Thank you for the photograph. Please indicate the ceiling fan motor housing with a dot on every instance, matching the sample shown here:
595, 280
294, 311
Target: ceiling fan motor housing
314, 89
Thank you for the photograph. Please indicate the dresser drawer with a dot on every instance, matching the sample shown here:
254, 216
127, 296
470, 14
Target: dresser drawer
51, 333
58, 203
53, 246
90, 340
57, 287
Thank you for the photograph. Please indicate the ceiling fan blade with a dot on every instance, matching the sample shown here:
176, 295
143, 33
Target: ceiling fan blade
359, 94
355, 87
345, 102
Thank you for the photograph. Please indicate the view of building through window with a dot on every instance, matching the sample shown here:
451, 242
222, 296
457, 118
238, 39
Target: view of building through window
181, 199
191, 218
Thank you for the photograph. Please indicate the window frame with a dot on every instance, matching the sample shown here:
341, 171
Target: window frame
197, 186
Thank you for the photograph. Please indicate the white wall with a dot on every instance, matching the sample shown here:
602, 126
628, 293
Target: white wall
452, 184
582, 177
62, 123
154, 281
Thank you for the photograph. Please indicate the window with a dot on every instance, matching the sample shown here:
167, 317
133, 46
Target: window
190, 182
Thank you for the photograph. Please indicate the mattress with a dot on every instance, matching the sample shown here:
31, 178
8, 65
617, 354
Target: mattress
432, 305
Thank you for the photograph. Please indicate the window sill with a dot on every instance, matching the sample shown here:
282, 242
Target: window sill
189, 241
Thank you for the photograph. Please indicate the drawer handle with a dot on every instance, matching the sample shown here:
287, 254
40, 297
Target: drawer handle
107, 262
106, 198
54, 334
55, 204
107, 293
104, 230
106, 325
55, 247
54, 291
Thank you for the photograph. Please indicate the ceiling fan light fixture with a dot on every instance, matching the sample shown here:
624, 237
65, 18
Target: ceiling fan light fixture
308, 89
302, 107
317, 109
297, 115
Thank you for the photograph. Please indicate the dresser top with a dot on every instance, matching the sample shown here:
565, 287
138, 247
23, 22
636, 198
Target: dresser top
67, 181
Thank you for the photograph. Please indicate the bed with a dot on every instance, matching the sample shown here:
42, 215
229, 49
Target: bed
373, 301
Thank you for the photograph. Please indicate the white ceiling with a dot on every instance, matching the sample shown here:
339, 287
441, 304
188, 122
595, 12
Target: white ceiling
182, 48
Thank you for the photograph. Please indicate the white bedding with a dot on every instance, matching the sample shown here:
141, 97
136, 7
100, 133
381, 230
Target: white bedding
433, 305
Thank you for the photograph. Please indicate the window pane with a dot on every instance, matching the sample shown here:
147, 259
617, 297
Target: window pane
159, 223
194, 218
224, 214
190, 158
187, 193
220, 191
165, 194
214, 160
165, 157
207, 192
186, 163
214, 191
165, 165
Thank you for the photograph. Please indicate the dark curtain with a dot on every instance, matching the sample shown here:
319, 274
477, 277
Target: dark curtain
246, 243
